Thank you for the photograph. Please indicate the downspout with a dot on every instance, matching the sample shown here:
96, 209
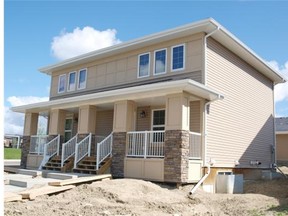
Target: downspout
205, 114
205, 147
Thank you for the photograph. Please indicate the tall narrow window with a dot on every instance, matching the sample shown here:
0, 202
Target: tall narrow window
62, 83
82, 79
72, 81
160, 62
158, 120
178, 55
143, 65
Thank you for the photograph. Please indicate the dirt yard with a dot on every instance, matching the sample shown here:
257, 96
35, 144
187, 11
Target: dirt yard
137, 197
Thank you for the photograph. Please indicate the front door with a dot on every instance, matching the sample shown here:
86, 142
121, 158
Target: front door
68, 129
158, 120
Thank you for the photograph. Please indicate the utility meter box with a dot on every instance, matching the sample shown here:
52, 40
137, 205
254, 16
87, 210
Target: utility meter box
227, 182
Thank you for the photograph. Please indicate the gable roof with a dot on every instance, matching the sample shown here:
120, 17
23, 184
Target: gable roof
281, 125
223, 36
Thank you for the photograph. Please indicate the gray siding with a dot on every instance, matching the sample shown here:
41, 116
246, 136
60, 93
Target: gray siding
240, 127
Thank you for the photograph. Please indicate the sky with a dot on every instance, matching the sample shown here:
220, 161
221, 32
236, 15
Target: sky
40, 33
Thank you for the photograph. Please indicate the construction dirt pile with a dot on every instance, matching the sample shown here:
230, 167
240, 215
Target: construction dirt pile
137, 197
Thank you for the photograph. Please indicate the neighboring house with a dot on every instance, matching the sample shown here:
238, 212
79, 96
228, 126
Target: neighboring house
168, 104
282, 140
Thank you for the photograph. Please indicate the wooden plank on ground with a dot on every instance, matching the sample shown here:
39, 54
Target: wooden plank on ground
79, 180
9, 197
33, 193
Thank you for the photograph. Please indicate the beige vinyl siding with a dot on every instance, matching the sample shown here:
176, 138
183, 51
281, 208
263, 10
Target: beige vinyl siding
122, 68
195, 116
282, 147
143, 124
240, 127
104, 122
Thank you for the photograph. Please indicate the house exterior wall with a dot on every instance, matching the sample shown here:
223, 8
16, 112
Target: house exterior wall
282, 147
144, 124
195, 116
122, 69
240, 127
104, 122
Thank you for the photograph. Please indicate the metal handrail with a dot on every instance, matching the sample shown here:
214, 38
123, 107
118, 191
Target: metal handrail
104, 150
146, 144
37, 143
82, 149
68, 149
50, 149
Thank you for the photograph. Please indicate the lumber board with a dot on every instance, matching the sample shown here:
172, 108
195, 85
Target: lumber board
79, 180
33, 193
9, 197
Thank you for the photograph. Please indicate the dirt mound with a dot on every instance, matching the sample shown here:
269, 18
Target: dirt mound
137, 197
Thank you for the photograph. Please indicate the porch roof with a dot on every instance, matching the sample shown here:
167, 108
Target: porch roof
192, 87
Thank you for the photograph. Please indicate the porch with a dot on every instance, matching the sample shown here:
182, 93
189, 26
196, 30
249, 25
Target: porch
151, 130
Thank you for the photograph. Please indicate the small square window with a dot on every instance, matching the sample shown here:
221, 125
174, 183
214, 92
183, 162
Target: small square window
62, 83
72, 81
160, 62
143, 65
82, 77
177, 60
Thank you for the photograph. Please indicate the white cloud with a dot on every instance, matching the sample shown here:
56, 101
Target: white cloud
281, 90
14, 122
80, 41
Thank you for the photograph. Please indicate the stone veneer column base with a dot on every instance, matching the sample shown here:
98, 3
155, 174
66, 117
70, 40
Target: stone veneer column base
118, 154
25, 147
176, 156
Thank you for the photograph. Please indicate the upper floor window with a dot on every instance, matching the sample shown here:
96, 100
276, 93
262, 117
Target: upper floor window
62, 83
72, 81
82, 77
178, 55
160, 62
143, 65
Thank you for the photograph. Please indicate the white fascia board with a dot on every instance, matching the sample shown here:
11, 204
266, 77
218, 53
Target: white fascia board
281, 132
131, 93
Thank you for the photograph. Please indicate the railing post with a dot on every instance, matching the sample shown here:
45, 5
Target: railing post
145, 144
58, 144
97, 157
89, 145
62, 156
76, 155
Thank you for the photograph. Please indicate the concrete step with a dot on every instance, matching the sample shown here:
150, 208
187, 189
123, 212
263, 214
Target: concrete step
18, 183
61, 176
29, 172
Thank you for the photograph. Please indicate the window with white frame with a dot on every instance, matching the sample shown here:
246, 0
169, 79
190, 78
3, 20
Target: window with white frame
178, 57
158, 120
143, 65
82, 77
72, 81
160, 61
62, 83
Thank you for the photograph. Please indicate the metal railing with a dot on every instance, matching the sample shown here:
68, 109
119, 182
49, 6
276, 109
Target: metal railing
104, 150
146, 144
195, 145
50, 149
68, 149
82, 149
37, 143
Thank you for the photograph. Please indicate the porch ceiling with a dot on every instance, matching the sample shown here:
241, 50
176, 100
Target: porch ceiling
154, 93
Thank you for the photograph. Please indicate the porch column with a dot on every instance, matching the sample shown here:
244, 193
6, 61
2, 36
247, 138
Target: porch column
124, 121
87, 124
176, 150
57, 122
30, 128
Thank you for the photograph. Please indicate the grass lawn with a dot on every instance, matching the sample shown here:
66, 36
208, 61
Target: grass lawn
12, 153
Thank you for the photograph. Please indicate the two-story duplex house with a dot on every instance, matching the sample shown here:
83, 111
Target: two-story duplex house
164, 107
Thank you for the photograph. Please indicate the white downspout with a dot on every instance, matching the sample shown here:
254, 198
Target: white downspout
205, 114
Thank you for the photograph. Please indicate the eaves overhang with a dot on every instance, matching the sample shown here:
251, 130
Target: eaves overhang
205, 26
132, 93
